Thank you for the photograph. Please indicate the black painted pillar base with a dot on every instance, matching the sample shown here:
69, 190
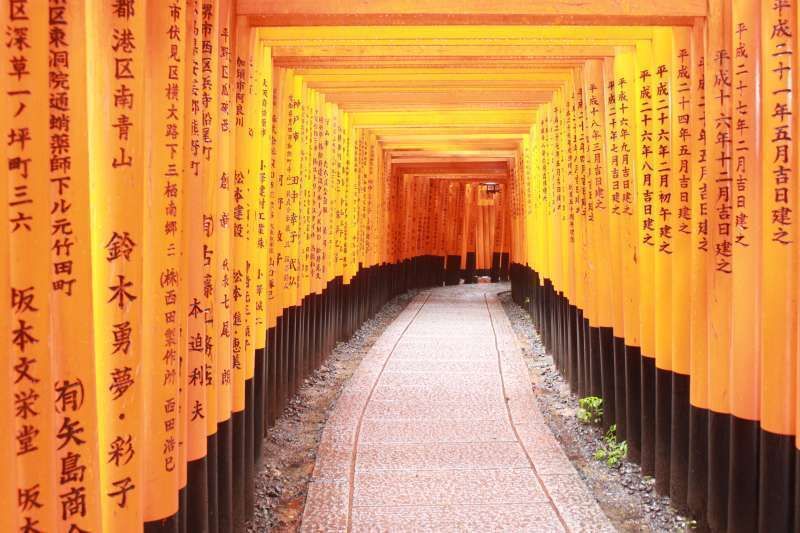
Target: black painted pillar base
663, 429
633, 402
679, 443
165, 525
606, 341
212, 456
776, 510
620, 388
225, 474
648, 393
697, 490
743, 488
197, 495
719, 431
239, 468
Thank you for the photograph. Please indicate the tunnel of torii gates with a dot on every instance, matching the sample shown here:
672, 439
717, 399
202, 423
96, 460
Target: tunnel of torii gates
202, 197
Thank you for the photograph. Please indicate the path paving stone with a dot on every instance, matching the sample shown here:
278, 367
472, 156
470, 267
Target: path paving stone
438, 430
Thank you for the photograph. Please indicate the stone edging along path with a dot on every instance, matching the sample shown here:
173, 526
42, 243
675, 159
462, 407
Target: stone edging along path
438, 429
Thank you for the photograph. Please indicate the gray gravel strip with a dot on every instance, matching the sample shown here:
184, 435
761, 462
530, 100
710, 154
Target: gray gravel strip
291, 446
628, 498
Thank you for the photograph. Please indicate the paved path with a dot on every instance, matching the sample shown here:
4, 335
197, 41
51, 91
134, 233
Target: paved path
438, 430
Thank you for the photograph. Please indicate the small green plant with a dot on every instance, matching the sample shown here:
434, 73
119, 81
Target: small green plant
527, 300
611, 452
590, 410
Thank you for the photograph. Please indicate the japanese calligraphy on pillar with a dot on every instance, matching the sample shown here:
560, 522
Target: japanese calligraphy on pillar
663, 150
239, 216
599, 189
26, 142
305, 191
596, 138
682, 83
71, 292
260, 239
204, 370
644, 84
221, 334
116, 31
558, 147
196, 232
556, 186
583, 209
646, 196
612, 131
571, 166
339, 182
614, 161
319, 172
587, 140
60, 148
273, 294
625, 139
719, 101
777, 102
163, 238
292, 197
779, 233
219, 356
8, 445
663, 135
721, 155
8, 482
625, 76
746, 169
681, 185
251, 190
699, 161
699, 236
278, 197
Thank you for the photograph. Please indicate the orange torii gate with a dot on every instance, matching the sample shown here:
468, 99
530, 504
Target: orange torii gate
203, 196
676, 194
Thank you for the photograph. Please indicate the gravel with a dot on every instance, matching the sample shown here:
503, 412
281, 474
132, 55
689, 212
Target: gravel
290, 448
625, 495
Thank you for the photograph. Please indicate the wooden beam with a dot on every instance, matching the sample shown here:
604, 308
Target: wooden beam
450, 167
466, 176
586, 51
501, 12
444, 85
457, 99
465, 73
465, 136
419, 62
427, 156
450, 34
452, 146
453, 143
455, 118
446, 131
456, 106
425, 96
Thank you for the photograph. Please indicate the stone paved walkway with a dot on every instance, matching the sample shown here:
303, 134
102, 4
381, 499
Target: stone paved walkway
438, 430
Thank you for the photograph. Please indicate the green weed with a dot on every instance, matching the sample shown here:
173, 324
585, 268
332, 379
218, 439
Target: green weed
611, 452
590, 410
